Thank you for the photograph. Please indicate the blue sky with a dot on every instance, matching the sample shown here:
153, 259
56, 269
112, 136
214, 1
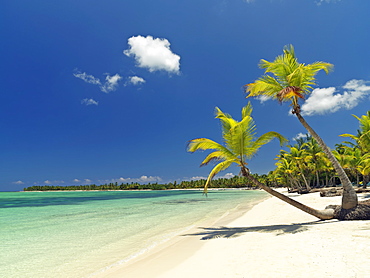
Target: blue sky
104, 91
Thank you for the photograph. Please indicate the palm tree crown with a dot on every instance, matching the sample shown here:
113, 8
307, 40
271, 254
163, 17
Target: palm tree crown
363, 134
240, 142
290, 79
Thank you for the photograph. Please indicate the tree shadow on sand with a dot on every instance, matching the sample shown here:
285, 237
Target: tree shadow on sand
230, 232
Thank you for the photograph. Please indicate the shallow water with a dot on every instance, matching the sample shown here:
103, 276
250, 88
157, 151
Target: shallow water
77, 234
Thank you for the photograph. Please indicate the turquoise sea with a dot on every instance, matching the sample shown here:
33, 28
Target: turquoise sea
80, 234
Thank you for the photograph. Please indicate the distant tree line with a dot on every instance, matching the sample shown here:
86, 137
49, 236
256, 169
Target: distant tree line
234, 182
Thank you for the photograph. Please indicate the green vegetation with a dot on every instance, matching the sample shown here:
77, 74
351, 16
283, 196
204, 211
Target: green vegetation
286, 79
234, 182
240, 141
241, 144
304, 166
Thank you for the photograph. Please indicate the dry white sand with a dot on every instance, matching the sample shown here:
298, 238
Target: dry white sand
273, 239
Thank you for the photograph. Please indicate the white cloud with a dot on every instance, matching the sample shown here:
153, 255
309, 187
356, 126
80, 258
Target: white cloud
326, 100
198, 178
87, 78
76, 180
319, 2
153, 53
18, 182
136, 80
299, 136
142, 179
111, 83
263, 98
225, 176
53, 182
89, 101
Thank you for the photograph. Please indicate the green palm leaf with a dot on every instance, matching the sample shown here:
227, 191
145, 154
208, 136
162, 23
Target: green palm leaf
239, 139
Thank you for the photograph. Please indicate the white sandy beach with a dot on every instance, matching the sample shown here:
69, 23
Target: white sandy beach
273, 239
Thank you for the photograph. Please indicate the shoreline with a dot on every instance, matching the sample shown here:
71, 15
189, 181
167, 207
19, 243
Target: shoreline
138, 190
268, 239
180, 244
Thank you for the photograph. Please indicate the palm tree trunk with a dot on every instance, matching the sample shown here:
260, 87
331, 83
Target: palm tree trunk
321, 214
349, 198
365, 180
317, 179
308, 188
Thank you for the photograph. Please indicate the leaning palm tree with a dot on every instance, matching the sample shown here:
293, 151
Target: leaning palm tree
240, 145
287, 80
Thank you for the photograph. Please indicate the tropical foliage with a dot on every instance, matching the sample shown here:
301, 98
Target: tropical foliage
240, 143
286, 79
234, 182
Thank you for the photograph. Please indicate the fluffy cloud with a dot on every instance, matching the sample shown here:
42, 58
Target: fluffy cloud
328, 100
111, 82
153, 54
136, 80
89, 101
299, 136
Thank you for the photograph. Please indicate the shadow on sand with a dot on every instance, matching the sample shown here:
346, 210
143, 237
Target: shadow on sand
230, 232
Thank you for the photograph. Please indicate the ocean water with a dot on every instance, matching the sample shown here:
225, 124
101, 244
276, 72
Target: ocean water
81, 234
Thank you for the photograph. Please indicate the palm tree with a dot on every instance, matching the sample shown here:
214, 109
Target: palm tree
290, 81
315, 155
241, 144
362, 140
363, 134
287, 171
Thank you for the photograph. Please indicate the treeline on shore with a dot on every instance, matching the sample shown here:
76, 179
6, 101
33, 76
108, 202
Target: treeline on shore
301, 167
234, 182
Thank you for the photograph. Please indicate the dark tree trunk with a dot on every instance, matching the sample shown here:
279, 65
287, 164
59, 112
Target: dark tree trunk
321, 214
349, 198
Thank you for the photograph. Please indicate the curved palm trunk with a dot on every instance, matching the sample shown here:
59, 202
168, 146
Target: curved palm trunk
321, 214
349, 198
308, 187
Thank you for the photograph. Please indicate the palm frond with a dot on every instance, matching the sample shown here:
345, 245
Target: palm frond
218, 168
265, 85
217, 156
227, 122
203, 144
350, 136
286, 72
264, 139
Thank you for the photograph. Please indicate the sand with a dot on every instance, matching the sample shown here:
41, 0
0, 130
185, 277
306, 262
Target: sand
273, 239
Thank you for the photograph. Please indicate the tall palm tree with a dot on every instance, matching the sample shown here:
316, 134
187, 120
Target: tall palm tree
362, 138
241, 144
296, 156
315, 155
290, 81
